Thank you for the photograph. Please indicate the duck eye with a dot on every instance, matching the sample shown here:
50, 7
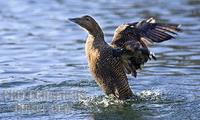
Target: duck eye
87, 18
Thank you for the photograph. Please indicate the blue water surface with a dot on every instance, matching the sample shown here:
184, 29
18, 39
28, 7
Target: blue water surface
44, 73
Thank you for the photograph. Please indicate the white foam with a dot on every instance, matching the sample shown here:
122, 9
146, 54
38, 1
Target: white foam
150, 95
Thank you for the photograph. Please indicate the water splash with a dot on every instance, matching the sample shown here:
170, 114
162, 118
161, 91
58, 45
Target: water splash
148, 95
99, 103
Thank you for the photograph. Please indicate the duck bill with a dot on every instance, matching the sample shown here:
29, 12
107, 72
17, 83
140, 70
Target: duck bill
75, 20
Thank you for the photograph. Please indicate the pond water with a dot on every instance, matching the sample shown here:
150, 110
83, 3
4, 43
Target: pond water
44, 73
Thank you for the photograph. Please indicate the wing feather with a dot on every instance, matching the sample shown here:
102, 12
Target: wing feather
134, 39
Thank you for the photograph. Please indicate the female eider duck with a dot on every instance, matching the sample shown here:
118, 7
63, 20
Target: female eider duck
127, 52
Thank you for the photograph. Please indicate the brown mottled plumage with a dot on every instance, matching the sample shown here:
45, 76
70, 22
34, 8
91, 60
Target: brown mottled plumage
127, 52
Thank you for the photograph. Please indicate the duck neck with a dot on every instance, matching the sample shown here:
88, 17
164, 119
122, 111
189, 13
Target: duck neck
96, 31
96, 36
95, 40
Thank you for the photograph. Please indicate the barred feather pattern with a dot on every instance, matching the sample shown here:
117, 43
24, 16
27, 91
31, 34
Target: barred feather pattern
107, 70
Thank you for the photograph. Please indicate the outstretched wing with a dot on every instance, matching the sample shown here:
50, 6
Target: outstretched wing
131, 41
155, 32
